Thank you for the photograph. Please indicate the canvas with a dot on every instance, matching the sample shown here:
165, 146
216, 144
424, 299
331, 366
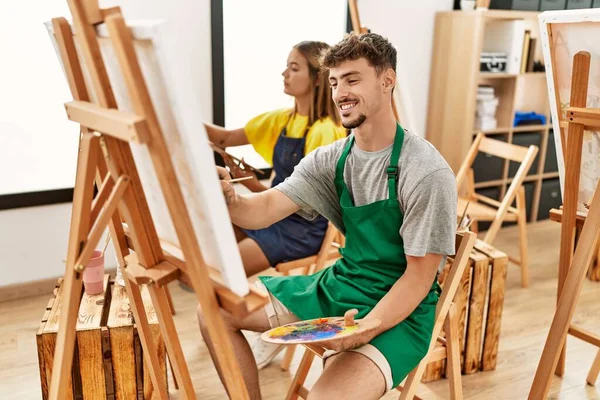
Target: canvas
564, 33
179, 115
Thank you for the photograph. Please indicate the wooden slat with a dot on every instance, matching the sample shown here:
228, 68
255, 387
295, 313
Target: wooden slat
556, 216
503, 150
154, 323
584, 335
122, 125
40, 349
496, 304
89, 343
160, 274
120, 326
49, 342
589, 117
474, 336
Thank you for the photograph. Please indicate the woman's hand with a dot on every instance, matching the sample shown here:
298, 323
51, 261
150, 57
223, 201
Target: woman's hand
226, 187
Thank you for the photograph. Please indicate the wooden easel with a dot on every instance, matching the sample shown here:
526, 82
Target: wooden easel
572, 267
105, 157
358, 28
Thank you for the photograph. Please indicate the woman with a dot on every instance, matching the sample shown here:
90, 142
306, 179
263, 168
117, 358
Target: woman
283, 137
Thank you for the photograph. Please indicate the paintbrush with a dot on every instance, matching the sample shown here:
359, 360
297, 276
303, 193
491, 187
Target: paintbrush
245, 178
460, 223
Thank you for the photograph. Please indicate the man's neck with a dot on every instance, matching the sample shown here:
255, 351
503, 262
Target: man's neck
377, 132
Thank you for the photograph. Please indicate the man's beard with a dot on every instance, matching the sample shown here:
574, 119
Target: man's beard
356, 123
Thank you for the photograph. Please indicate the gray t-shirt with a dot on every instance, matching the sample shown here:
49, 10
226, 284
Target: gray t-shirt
426, 190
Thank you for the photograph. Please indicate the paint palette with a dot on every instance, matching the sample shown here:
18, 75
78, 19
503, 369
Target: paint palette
320, 330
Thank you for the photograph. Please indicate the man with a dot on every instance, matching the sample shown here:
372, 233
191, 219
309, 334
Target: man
394, 197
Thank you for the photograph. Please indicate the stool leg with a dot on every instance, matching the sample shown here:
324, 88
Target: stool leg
300, 377
522, 222
453, 349
593, 375
287, 359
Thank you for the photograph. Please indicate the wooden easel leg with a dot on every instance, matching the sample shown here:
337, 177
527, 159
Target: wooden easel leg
169, 299
453, 349
567, 302
80, 226
579, 88
594, 370
522, 222
169, 333
148, 345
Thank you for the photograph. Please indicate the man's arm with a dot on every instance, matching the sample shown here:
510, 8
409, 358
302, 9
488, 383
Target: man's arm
255, 210
407, 293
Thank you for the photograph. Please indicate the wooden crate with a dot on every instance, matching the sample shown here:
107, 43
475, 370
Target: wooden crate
479, 300
107, 361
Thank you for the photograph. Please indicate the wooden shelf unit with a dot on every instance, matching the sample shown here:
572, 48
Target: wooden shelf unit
455, 77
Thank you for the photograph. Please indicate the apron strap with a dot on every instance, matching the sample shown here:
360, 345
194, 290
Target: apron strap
392, 169
339, 169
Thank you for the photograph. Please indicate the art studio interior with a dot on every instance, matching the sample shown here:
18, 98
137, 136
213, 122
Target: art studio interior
273, 199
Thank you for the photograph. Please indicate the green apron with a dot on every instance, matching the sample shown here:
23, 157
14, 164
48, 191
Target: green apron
373, 260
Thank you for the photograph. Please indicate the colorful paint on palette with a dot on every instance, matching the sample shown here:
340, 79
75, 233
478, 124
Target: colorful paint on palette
318, 329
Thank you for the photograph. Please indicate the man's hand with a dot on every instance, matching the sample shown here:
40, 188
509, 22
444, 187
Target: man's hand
226, 187
356, 340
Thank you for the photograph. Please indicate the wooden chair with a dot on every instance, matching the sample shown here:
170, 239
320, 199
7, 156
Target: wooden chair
329, 251
482, 208
440, 348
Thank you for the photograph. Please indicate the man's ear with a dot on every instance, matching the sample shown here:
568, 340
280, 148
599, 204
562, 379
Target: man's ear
389, 80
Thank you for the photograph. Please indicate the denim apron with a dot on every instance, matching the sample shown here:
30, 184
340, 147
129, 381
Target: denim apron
293, 237
373, 260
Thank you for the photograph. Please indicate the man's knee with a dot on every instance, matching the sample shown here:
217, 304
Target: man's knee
227, 318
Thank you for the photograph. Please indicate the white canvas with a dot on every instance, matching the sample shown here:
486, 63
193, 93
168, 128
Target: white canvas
178, 111
573, 31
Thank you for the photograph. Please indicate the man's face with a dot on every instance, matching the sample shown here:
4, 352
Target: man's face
357, 91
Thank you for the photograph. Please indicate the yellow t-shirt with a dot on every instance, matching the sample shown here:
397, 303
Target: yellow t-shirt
264, 130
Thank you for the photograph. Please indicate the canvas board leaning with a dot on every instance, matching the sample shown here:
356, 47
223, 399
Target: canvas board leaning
179, 115
564, 33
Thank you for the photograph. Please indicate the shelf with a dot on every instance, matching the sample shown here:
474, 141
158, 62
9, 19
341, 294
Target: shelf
530, 128
503, 75
490, 131
496, 75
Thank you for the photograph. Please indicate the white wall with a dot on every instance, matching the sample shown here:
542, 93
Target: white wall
33, 241
409, 26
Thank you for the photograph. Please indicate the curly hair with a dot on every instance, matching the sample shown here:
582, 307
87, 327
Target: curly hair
378, 51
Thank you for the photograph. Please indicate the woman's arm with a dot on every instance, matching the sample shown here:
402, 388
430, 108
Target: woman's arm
225, 138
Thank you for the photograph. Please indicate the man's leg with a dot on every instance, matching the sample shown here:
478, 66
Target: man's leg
349, 375
258, 322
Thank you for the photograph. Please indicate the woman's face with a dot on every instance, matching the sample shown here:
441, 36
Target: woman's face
296, 76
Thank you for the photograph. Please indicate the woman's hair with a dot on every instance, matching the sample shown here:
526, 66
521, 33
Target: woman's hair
322, 104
